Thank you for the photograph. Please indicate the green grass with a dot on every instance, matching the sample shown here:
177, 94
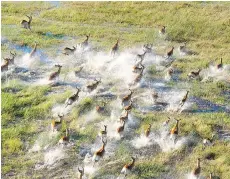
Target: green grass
205, 26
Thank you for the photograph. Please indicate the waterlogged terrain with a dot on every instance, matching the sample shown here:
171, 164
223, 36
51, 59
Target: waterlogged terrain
160, 92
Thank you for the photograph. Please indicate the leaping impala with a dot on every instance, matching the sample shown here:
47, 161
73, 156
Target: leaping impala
211, 176
125, 117
162, 30
197, 170
147, 48
55, 74
184, 99
100, 109
165, 123
5, 66
32, 53
81, 173
174, 132
147, 131
140, 57
85, 43
155, 96
220, 65
26, 24
93, 86
121, 128
128, 167
208, 141
64, 139
103, 133
137, 68
194, 74
127, 97
170, 52
73, 98
99, 153
11, 60
69, 51
115, 48
129, 107
56, 124
139, 76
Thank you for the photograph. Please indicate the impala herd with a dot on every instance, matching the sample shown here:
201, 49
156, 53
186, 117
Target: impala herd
126, 101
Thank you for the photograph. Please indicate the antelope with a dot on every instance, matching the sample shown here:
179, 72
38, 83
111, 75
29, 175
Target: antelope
210, 176
220, 65
196, 171
100, 109
174, 131
81, 173
128, 167
78, 71
155, 96
99, 153
55, 124
162, 30
127, 97
26, 24
120, 129
69, 51
194, 74
94, 85
170, 52
129, 107
64, 139
55, 74
73, 98
34, 50
141, 57
103, 132
125, 117
166, 122
184, 99
147, 48
138, 67
5, 66
139, 76
208, 141
169, 74
85, 43
11, 60
184, 51
182, 48
115, 48
147, 131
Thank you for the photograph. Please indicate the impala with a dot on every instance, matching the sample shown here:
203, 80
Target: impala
26, 24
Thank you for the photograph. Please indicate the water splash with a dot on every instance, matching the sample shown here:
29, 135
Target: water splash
43, 141
53, 156
166, 144
191, 176
141, 141
212, 73
60, 109
174, 97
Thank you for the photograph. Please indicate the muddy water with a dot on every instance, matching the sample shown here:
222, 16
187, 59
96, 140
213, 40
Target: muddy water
116, 78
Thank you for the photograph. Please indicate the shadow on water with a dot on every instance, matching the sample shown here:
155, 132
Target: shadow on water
205, 106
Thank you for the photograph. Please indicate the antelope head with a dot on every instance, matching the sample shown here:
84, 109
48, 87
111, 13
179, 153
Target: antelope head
81, 171
13, 54
59, 66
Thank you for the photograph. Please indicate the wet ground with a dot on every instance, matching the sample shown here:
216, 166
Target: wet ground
116, 78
